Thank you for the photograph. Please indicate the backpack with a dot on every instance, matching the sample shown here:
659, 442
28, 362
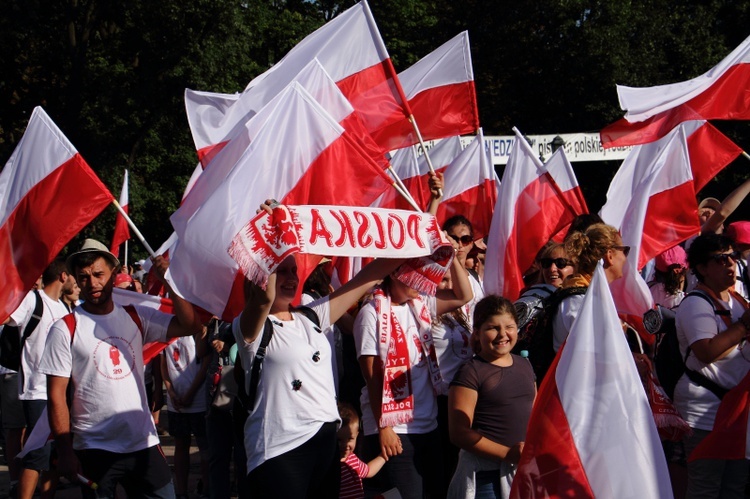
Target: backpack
669, 362
12, 341
536, 315
247, 398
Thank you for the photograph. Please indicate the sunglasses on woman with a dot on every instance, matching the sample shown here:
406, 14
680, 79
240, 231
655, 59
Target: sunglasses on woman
560, 263
624, 249
464, 240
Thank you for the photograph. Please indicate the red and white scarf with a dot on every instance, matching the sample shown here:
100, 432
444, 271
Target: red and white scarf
261, 246
397, 400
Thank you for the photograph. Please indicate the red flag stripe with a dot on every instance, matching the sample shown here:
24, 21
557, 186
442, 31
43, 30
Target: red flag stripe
43, 222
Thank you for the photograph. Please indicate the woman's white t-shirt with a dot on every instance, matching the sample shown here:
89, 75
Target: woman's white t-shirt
296, 394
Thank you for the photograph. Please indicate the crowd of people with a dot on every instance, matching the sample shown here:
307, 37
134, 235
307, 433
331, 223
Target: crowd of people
440, 388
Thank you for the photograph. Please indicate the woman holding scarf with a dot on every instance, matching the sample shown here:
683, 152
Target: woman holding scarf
397, 356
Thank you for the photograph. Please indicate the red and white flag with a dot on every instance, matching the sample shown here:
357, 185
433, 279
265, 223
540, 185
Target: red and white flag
729, 437
535, 204
652, 112
710, 152
122, 231
470, 188
651, 199
441, 94
47, 195
213, 127
414, 172
352, 51
592, 432
298, 154
212, 118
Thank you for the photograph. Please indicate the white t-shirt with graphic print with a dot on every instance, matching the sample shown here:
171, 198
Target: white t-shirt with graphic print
104, 362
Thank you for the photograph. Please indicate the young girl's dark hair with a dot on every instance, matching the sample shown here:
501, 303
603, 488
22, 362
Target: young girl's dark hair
672, 278
487, 307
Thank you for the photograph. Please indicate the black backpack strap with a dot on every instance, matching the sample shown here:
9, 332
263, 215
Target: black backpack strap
695, 376
36, 316
310, 314
260, 354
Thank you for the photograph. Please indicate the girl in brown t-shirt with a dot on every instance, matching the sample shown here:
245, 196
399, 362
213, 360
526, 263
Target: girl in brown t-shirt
490, 402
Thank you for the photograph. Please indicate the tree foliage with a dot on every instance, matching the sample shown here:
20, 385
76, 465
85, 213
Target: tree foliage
113, 74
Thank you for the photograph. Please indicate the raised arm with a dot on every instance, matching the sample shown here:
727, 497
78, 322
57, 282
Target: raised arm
347, 295
435, 183
461, 292
730, 203
185, 321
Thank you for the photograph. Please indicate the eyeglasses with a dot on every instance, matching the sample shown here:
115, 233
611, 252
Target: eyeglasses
560, 263
624, 249
464, 240
723, 258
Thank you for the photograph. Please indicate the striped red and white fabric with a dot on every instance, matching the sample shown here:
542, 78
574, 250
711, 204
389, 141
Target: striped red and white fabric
314, 162
122, 231
352, 51
441, 93
535, 203
651, 201
470, 188
414, 172
213, 127
47, 195
652, 112
729, 437
592, 432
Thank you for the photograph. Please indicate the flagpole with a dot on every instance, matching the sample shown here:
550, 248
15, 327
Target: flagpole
126, 253
424, 148
135, 229
746, 154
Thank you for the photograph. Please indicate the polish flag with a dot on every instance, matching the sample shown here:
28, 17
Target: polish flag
652, 112
651, 201
122, 231
414, 172
298, 154
470, 188
216, 118
729, 437
441, 94
592, 432
352, 51
536, 203
211, 119
47, 195
710, 152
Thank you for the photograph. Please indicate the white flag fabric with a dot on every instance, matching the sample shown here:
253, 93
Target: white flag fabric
592, 432
294, 151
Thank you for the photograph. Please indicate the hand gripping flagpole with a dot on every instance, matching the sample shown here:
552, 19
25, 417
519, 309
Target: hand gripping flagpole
134, 228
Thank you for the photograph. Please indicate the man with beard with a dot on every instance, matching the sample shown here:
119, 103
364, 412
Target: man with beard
107, 434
